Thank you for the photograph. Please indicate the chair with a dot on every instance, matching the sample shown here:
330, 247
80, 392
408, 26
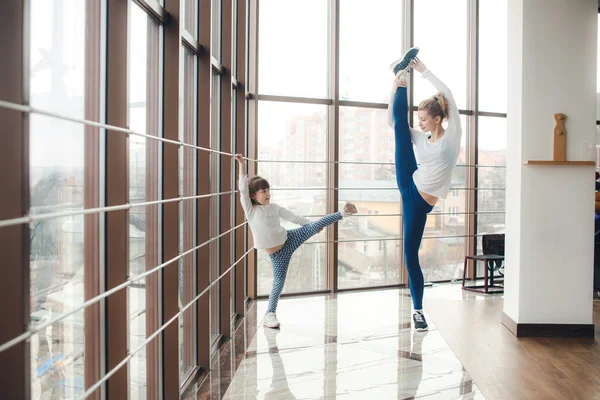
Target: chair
493, 256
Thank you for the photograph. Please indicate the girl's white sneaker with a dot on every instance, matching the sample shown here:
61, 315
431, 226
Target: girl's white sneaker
270, 320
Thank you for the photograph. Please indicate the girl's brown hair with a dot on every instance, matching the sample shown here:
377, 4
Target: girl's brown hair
436, 106
255, 184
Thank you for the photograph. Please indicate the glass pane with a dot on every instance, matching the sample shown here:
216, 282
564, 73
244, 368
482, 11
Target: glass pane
491, 200
365, 137
216, 29
490, 223
290, 132
449, 223
144, 175
190, 17
187, 212
493, 35
442, 258
491, 196
492, 177
371, 201
56, 162
368, 263
307, 270
440, 42
381, 31
492, 141
292, 52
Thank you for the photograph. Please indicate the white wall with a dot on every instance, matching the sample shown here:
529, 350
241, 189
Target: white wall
551, 69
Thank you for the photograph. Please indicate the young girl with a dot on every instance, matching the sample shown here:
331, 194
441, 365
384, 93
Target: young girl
437, 149
263, 218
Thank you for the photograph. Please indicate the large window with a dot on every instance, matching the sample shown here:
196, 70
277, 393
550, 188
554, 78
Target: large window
119, 114
370, 245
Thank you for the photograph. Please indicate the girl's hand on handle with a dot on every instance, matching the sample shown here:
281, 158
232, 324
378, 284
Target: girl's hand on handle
418, 65
240, 159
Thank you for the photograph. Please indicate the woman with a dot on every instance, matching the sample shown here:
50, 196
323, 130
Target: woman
437, 149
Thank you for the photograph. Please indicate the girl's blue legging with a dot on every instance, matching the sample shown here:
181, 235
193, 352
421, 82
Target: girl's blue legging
414, 208
281, 259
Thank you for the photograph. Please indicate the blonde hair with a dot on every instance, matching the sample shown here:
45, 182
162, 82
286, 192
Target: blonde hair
436, 106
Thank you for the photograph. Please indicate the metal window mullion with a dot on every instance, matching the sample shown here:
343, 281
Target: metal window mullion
170, 217
203, 182
116, 180
240, 136
334, 135
93, 164
14, 157
225, 165
472, 138
252, 148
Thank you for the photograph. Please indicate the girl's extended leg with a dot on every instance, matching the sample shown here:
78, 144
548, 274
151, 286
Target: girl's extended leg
281, 259
300, 235
406, 163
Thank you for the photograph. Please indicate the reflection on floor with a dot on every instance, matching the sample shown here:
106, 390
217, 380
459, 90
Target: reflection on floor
351, 346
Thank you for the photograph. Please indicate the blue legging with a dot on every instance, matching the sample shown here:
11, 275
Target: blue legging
281, 259
414, 208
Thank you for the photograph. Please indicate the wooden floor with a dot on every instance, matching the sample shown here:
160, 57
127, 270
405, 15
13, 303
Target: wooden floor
507, 368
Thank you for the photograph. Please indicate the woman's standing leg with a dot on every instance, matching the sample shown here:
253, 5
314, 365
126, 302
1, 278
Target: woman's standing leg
415, 218
414, 208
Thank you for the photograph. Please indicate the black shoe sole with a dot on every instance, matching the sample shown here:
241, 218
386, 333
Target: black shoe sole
405, 61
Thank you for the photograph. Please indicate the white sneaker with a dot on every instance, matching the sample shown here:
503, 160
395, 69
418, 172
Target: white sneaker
270, 320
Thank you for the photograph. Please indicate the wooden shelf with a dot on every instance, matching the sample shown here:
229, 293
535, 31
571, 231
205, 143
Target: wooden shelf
550, 162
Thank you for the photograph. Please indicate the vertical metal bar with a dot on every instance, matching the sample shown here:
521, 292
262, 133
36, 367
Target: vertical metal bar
117, 154
240, 140
472, 133
334, 135
91, 197
170, 184
225, 166
152, 251
203, 181
14, 240
252, 83
409, 39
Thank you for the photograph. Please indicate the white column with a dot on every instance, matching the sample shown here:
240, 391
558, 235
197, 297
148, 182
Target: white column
550, 209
